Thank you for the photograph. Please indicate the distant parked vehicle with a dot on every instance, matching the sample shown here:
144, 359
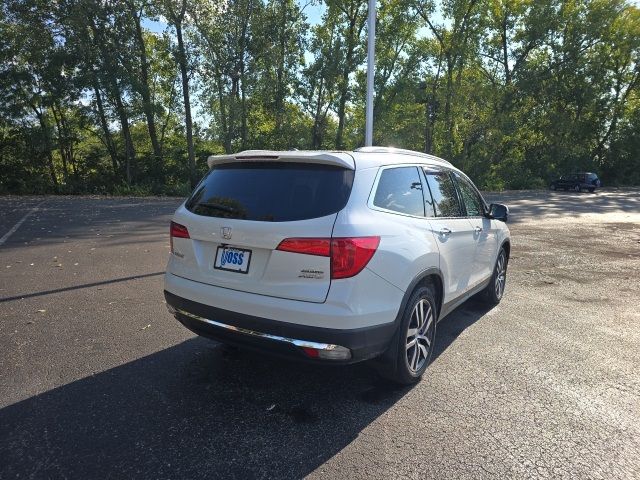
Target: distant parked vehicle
577, 182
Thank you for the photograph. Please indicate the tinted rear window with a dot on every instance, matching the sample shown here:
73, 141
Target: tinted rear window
272, 191
400, 190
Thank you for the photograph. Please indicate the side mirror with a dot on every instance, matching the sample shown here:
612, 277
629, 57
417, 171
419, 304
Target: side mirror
498, 211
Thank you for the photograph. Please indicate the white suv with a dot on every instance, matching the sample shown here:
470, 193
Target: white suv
334, 256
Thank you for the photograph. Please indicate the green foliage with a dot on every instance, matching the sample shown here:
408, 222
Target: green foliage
512, 91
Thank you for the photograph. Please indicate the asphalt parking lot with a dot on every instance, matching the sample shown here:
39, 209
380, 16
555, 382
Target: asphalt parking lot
97, 380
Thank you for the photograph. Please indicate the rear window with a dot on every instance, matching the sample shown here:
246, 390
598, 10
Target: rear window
400, 190
272, 191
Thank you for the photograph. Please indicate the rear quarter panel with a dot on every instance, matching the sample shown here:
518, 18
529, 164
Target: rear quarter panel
407, 246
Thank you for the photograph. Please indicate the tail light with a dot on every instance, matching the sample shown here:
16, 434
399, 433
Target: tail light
349, 255
308, 246
177, 231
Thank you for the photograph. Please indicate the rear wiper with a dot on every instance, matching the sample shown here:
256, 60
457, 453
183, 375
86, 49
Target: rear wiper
218, 206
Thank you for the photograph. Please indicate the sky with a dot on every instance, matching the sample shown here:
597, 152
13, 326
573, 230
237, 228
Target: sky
313, 12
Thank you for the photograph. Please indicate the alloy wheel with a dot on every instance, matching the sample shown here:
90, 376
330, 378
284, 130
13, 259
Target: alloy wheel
501, 275
420, 335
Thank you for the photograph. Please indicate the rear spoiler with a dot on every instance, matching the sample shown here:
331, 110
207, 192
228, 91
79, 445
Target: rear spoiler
339, 159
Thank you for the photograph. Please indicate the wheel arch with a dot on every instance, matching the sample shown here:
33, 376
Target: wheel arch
506, 245
428, 277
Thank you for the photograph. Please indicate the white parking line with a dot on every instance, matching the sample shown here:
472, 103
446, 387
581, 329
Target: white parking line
6, 236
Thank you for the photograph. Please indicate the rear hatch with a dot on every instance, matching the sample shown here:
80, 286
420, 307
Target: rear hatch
243, 209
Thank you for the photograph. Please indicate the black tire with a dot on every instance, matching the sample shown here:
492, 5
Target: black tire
591, 190
553, 186
577, 188
412, 361
493, 293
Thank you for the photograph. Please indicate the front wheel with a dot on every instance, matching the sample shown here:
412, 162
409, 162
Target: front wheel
592, 189
495, 290
577, 188
415, 339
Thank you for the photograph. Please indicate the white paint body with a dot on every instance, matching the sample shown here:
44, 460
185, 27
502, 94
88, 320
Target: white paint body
273, 289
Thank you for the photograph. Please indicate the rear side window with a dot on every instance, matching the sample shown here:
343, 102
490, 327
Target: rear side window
400, 190
272, 191
443, 191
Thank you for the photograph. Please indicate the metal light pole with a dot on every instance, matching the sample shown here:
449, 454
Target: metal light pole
371, 66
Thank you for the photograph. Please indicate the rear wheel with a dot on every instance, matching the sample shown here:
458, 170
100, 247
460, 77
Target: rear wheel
591, 190
415, 337
495, 290
553, 186
577, 188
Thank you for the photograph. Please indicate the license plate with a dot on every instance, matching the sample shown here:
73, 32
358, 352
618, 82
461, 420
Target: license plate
232, 259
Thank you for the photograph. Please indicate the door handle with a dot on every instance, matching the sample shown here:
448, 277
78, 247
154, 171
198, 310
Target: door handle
478, 230
444, 231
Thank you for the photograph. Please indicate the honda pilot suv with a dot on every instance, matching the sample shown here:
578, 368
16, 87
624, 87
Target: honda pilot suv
334, 257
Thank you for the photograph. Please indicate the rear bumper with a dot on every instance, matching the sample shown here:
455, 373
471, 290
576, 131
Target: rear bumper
277, 337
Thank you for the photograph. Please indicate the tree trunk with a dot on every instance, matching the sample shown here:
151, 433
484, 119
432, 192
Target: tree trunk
108, 138
68, 143
61, 146
243, 112
316, 136
130, 152
241, 78
280, 70
448, 116
47, 142
147, 104
344, 90
114, 90
505, 50
223, 115
182, 61
344, 87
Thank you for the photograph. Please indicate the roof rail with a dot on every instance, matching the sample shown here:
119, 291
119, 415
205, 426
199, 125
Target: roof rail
400, 151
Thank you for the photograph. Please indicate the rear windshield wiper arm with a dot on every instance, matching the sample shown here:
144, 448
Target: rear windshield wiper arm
218, 206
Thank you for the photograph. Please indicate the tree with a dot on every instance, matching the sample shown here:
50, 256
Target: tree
176, 11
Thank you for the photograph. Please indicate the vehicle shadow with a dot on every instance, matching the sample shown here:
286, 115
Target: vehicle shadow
451, 327
190, 411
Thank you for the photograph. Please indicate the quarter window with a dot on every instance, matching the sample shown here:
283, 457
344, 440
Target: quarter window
443, 191
472, 200
400, 190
